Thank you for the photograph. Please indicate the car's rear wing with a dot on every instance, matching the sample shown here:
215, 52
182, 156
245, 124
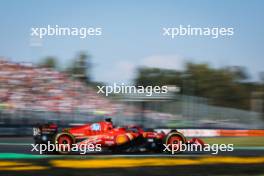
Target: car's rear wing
49, 128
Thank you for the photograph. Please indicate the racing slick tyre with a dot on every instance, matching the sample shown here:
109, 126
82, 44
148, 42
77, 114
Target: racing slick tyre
173, 141
64, 142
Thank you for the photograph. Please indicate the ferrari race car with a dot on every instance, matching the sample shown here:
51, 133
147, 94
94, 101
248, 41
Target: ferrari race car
109, 138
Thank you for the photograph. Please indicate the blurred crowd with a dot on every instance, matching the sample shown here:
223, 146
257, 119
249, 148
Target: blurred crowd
26, 87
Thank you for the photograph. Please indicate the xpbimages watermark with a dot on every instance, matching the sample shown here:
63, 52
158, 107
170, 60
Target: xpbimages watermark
188, 30
56, 30
182, 147
128, 89
66, 148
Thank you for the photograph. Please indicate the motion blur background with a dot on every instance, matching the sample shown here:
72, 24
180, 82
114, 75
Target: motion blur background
208, 97
55, 79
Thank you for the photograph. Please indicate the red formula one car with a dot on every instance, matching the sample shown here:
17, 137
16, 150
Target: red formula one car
110, 138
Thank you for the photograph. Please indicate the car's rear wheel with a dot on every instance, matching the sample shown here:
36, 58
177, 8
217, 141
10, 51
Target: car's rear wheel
173, 141
64, 142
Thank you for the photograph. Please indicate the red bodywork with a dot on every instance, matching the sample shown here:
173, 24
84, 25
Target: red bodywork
105, 134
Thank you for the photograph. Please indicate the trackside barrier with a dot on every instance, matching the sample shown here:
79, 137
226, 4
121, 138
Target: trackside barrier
217, 132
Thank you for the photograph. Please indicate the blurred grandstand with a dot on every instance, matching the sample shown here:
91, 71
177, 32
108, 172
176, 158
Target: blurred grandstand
25, 87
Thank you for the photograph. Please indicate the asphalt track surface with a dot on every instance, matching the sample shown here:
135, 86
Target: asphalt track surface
16, 158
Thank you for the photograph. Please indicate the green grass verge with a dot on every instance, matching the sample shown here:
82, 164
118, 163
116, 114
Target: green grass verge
237, 141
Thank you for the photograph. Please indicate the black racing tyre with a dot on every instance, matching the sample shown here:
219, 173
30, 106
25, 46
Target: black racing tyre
174, 138
64, 141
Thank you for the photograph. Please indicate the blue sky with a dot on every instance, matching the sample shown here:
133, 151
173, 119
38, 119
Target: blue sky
132, 34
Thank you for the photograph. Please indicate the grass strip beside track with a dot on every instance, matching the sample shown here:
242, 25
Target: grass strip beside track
21, 156
237, 141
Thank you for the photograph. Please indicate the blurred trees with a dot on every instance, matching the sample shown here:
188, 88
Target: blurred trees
223, 87
80, 68
157, 77
49, 62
